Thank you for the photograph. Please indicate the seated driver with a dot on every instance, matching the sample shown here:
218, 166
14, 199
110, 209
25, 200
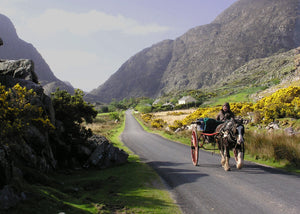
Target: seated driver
225, 113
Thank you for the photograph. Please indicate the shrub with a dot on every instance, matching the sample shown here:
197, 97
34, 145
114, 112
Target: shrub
158, 123
147, 117
72, 110
114, 116
177, 124
283, 103
17, 112
144, 108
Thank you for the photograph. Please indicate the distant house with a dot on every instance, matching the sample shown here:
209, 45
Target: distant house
186, 100
170, 105
156, 102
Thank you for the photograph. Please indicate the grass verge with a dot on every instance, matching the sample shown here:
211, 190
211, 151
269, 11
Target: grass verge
130, 188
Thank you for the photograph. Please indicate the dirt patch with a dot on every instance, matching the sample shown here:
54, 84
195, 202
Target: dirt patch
170, 116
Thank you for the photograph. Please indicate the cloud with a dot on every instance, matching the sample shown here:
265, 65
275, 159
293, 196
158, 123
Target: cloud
54, 21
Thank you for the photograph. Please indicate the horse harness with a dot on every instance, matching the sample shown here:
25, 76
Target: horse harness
228, 132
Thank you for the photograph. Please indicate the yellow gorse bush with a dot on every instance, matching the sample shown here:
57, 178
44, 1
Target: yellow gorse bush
147, 117
201, 113
283, 103
17, 113
158, 123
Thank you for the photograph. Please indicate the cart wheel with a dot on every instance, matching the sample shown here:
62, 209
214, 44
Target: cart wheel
194, 148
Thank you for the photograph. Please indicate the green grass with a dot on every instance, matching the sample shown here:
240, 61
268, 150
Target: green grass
242, 96
130, 188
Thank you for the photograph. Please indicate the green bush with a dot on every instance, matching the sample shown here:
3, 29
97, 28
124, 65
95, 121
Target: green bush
72, 111
114, 116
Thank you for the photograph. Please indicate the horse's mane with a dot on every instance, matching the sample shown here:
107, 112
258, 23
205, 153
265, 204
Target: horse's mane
229, 124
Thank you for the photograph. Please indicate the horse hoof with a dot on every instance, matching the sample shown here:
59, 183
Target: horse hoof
239, 165
227, 169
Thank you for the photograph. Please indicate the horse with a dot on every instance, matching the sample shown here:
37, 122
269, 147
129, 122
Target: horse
231, 137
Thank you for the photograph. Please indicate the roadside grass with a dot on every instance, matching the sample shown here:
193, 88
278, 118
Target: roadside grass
276, 150
133, 187
145, 192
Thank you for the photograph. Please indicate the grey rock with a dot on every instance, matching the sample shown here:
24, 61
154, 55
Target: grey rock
8, 198
106, 155
21, 69
289, 131
6, 166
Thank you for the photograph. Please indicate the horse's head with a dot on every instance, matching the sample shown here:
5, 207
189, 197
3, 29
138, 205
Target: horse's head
238, 131
233, 130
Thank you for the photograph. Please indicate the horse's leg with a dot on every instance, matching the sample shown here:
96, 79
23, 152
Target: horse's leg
227, 156
221, 148
223, 158
240, 160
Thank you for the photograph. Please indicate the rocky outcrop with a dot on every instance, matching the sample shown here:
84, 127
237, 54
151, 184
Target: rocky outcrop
35, 149
20, 69
15, 48
103, 154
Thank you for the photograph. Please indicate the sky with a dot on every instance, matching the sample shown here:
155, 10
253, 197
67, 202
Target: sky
85, 41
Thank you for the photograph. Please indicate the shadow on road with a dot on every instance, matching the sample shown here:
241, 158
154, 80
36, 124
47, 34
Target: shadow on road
175, 174
251, 168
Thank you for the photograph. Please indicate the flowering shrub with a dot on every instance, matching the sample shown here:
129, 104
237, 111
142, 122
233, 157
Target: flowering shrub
158, 123
147, 117
177, 124
200, 113
17, 112
283, 103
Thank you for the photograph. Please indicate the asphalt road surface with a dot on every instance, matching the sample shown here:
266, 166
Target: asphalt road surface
207, 188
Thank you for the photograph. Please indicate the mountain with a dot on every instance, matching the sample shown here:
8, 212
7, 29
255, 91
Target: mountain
15, 48
203, 56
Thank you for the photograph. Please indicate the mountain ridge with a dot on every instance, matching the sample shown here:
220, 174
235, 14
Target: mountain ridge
15, 48
247, 30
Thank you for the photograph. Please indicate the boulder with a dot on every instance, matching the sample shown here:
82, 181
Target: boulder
5, 166
289, 131
21, 69
9, 198
105, 154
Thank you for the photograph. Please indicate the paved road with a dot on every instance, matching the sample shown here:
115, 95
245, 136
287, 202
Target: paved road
208, 188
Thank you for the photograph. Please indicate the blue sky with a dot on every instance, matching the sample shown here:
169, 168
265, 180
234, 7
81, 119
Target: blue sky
86, 41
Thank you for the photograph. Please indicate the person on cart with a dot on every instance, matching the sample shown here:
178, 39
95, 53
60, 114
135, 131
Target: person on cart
225, 113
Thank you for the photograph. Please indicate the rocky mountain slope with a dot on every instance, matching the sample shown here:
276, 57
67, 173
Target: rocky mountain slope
15, 48
205, 55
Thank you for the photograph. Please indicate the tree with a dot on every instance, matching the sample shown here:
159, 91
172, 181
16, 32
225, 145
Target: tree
72, 111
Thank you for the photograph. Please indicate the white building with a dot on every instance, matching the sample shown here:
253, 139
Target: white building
186, 100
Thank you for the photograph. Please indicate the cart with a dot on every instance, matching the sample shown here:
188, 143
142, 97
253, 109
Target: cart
201, 137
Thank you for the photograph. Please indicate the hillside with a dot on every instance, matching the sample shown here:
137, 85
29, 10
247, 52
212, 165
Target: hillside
15, 48
205, 55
